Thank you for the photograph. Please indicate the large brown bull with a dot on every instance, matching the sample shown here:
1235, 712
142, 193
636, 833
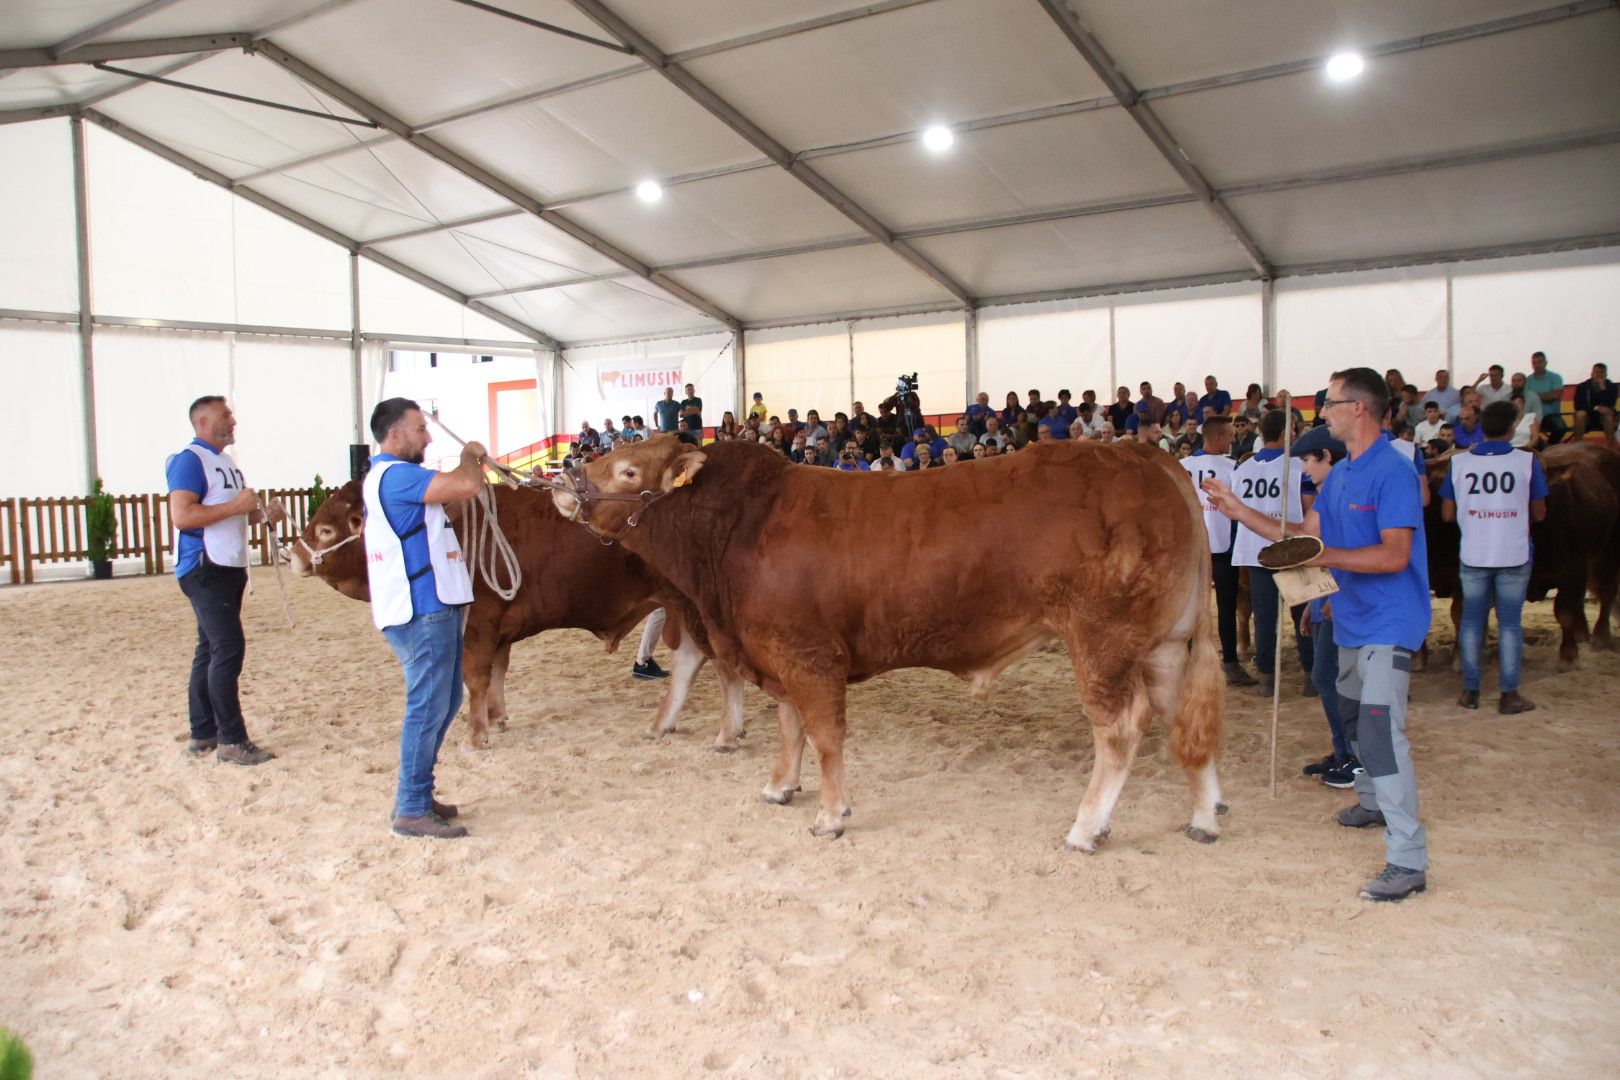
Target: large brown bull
570, 581
805, 580
1576, 548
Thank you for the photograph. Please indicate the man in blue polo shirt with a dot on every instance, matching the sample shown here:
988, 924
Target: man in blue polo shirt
419, 585
212, 506
1369, 516
1493, 493
1215, 400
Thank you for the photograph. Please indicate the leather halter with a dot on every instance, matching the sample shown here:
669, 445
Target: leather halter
586, 494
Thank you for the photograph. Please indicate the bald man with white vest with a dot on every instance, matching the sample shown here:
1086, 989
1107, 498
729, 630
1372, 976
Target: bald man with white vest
420, 587
211, 506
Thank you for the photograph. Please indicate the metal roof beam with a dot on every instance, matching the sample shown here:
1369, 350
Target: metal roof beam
203, 172
1097, 58
485, 179
727, 114
16, 59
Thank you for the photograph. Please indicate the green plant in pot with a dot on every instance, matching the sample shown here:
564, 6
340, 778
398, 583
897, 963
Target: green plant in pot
101, 528
317, 495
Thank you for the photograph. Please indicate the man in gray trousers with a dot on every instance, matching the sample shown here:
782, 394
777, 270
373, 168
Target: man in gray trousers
1369, 516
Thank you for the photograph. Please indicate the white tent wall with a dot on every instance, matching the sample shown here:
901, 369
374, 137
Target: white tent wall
38, 263
1389, 324
1168, 341
1571, 314
145, 379
801, 368
292, 404
41, 451
459, 387
591, 390
1047, 348
934, 347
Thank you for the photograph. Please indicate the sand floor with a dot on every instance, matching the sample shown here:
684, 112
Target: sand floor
632, 908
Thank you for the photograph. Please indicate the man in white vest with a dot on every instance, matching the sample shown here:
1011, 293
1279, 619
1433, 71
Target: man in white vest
1212, 460
1259, 483
419, 587
211, 506
1493, 493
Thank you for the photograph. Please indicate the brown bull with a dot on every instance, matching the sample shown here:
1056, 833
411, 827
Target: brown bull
1576, 548
569, 581
782, 566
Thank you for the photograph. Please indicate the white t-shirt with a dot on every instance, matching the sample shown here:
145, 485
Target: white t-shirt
1426, 431
1490, 395
1201, 467
1521, 433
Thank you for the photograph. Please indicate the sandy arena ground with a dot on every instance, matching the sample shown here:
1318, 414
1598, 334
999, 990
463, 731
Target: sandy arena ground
631, 908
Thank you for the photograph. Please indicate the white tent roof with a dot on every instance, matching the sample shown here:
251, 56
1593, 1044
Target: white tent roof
1101, 145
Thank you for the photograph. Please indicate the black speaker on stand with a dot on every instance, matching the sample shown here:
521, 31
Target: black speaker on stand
359, 460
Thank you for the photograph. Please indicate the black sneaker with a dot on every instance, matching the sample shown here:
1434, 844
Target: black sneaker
1359, 817
1512, 704
1394, 883
1308, 688
649, 670
242, 753
1317, 768
201, 747
1343, 773
1469, 699
1265, 687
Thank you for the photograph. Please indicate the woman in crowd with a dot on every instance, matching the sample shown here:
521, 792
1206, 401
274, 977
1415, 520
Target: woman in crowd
1254, 403
728, 424
1013, 413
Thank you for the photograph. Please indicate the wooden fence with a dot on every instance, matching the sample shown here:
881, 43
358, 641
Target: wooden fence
34, 531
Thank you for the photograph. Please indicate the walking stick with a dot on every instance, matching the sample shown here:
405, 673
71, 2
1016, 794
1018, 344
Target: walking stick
1285, 402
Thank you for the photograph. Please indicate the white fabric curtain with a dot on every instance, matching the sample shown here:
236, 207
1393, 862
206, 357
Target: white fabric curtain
1047, 350
1185, 340
292, 403
38, 261
41, 441
1395, 324
801, 368
935, 348
145, 382
1572, 315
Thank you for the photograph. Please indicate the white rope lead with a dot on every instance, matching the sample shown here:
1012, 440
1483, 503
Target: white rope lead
489, 553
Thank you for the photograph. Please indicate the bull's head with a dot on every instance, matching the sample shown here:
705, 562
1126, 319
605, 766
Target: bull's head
608, 495
331, 548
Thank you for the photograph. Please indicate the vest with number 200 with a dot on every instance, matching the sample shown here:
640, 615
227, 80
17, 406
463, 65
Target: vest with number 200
1493, 507
385, 558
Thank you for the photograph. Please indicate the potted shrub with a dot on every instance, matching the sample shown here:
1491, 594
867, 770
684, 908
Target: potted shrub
100, 527
317, 495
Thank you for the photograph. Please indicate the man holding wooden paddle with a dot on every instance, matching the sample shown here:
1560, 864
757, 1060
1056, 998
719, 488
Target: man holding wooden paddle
1367, 529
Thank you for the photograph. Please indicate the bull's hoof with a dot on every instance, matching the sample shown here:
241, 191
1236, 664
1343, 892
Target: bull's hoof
1565, 665
722, 748
848, 810
1222, 809
778, 798
1195, 833
830, 832
1089, 848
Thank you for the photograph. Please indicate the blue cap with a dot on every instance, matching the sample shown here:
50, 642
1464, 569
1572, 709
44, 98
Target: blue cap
1317, 440
920, 433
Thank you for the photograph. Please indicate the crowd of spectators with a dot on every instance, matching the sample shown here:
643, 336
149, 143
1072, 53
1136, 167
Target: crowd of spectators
1437, 421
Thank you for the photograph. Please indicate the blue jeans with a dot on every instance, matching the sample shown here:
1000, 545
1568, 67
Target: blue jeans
1325, 674
1263, 600
1505, 587
429, 649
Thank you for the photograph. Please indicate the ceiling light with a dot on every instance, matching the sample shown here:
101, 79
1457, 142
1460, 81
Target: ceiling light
938, 138
1344, 66
649, 191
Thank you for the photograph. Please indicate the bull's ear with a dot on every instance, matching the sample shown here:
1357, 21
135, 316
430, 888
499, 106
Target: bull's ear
684, 469
356, 523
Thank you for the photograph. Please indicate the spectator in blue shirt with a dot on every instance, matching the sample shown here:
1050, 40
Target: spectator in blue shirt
1466, 432
1369, 516
1215, 400
667, 413
1053, 424
1548, 386
1067, 411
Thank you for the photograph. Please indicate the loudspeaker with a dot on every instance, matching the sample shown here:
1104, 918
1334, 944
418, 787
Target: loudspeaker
359, 460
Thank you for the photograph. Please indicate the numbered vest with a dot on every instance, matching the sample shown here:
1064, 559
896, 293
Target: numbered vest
1202, 467
1493, 507
385, 557
225, 542
1260, 485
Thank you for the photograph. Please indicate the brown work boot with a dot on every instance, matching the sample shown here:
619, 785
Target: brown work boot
428, 825
242, 753
444, 809
201, 747
1512, 704
1236, 675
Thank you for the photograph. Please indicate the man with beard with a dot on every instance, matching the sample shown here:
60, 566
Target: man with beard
419, 585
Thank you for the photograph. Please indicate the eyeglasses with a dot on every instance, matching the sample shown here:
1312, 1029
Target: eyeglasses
1328, 403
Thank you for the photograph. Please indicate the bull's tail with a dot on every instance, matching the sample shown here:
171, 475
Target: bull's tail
1195, 736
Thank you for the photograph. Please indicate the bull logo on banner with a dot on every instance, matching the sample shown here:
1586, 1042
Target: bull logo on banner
646, 379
